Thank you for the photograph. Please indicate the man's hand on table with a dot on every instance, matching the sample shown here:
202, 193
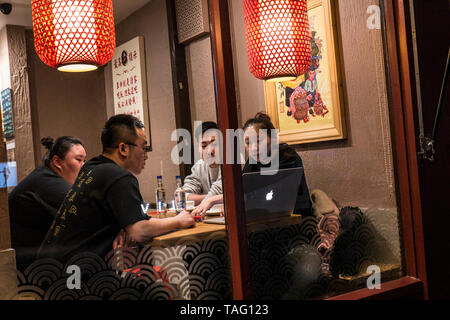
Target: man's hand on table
185, 219
123, 239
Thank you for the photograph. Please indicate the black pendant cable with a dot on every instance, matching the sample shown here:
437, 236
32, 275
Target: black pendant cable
427, 144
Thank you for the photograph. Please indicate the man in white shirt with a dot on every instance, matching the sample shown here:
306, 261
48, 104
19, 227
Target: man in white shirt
204, 184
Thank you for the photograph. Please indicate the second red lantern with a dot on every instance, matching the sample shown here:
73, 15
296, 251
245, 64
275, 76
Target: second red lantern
278, 38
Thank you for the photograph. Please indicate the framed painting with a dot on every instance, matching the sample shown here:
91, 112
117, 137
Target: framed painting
310, 108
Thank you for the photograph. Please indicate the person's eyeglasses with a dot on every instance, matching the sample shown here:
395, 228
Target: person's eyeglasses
146, 148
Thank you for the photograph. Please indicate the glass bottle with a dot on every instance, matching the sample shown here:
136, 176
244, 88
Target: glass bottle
180, 196
161, 206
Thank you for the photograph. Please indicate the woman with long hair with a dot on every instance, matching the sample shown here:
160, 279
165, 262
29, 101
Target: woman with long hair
259, 148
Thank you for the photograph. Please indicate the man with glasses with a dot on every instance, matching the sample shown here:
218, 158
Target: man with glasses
105, 202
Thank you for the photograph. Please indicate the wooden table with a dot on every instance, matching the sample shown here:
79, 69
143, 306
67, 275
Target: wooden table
271, 223
199, 232
202, 231
197, 257
169, 252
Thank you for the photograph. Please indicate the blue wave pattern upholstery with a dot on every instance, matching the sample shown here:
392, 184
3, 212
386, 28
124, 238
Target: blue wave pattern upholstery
309, 260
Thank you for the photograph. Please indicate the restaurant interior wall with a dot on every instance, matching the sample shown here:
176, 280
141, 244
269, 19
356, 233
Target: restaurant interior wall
359, 170
8, 275
5, 80
151, 22
64, 103
365, 97
201, 80
5, 241
14, 76
21, 144
45, 103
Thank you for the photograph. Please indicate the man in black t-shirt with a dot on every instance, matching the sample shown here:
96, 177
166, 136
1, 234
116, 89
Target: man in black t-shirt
105, 198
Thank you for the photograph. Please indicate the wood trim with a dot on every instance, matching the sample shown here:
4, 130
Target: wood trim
29, 39
408, 111
399, 143
406, 287
400, 93
228, 118
179, 81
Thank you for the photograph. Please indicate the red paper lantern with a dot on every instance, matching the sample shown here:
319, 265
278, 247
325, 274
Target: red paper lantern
278, 38
74, 35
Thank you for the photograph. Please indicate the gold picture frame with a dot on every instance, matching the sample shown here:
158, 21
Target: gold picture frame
317, 110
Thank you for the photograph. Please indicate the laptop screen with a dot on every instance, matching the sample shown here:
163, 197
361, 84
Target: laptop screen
272, 195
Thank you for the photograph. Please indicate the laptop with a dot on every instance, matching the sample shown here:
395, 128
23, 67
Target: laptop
270, 195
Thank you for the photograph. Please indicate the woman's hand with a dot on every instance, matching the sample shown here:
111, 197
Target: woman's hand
206, 204
201, 209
